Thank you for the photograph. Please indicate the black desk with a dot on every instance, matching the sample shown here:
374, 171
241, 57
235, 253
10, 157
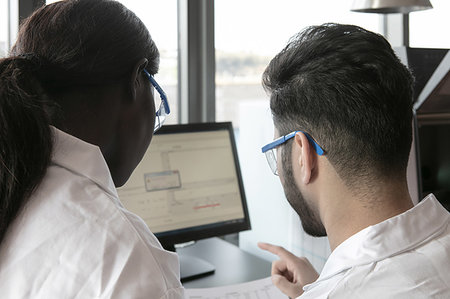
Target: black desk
233, 265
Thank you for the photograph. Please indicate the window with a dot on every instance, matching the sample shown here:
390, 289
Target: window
249, 33
427, 29
4, 26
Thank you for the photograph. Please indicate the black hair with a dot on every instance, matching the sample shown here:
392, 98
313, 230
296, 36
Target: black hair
345, 86
62, 46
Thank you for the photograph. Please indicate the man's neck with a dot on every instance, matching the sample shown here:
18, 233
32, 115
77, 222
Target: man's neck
347, 213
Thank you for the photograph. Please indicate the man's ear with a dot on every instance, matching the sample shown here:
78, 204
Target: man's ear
135, 80
307, 157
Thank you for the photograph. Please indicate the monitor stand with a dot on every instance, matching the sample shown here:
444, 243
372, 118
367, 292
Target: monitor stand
192, 267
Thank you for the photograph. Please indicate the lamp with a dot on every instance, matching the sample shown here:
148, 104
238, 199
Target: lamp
390, 6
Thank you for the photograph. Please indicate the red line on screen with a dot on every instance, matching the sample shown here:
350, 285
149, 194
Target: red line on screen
207, 206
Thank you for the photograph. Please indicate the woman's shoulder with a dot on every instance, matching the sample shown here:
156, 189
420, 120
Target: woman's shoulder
77, 233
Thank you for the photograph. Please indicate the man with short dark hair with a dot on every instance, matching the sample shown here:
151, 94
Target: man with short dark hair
342, 108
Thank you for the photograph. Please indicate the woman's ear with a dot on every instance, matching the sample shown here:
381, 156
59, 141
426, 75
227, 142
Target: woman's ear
135, 80
306, 159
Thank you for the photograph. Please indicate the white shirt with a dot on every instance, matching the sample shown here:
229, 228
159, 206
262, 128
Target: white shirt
74, 239
407, 256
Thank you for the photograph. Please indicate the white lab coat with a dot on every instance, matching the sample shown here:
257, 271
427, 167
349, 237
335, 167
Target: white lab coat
404, 257
74, 239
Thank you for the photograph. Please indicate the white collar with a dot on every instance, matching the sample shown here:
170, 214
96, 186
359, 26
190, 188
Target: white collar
82, 158
390, 237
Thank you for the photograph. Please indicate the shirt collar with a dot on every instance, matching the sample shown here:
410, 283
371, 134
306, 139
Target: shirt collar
82, 158
390, 237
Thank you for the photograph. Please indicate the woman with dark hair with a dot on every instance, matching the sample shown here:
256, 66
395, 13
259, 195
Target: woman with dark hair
77, 113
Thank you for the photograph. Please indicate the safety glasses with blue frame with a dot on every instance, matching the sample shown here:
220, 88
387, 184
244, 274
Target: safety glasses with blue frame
163, 109
270, 149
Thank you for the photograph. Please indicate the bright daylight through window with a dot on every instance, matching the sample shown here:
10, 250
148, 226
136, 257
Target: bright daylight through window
3, 27
247, 38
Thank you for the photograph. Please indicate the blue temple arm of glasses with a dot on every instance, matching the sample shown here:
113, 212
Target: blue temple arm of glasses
161, 92
277, 142
316, 147
285, 138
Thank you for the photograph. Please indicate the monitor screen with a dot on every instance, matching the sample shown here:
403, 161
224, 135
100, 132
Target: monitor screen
188, 185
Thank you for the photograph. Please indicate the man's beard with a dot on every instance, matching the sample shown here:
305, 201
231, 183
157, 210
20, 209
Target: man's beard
311, 222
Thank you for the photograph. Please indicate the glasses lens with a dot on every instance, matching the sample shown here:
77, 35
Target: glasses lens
161, 105
160, 117
271, 156
158, 102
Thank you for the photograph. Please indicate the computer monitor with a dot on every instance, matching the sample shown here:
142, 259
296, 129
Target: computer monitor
188, 185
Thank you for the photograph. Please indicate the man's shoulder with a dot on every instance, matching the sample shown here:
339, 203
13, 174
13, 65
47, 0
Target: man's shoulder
419, 273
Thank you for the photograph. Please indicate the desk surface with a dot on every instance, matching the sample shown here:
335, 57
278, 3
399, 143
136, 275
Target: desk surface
233, 265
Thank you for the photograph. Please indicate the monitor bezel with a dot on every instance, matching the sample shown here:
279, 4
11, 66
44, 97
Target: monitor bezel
170, 238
